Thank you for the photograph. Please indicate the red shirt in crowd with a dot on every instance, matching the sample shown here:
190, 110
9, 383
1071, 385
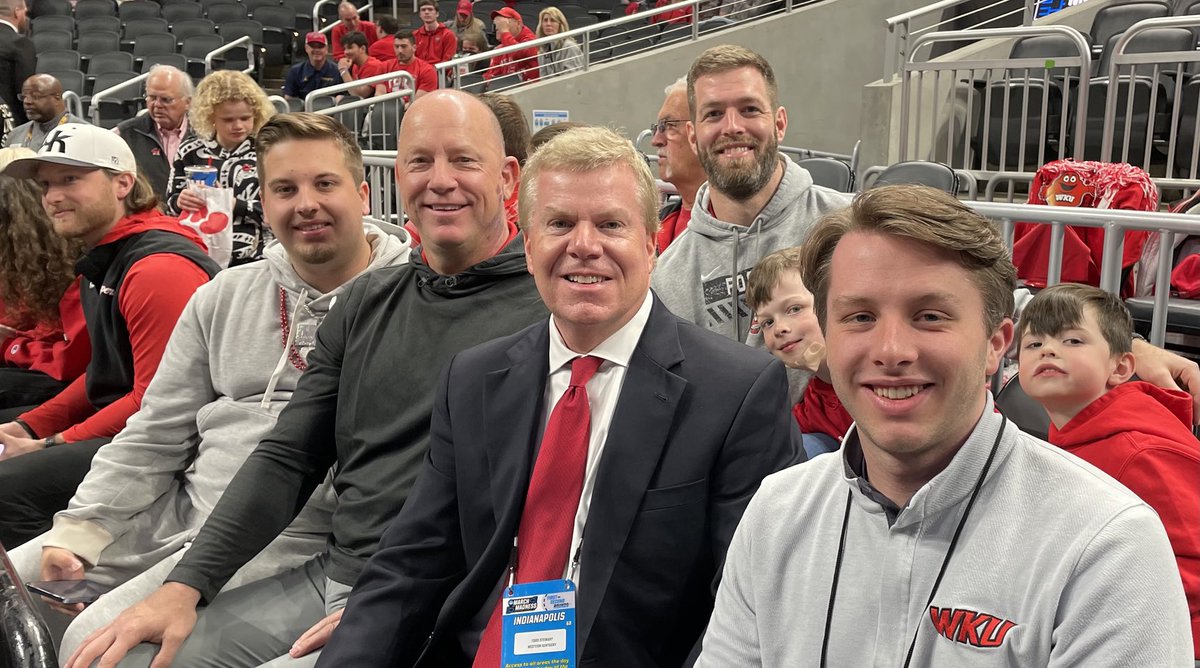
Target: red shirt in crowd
424, 76
339, 31
671, 227
436, 46
384, 49
59, 348
368, 69
523, 61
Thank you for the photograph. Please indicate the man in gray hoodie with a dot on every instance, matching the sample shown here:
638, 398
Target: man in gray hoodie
756, 201
230, 367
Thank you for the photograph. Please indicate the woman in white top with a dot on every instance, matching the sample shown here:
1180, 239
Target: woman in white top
561, 55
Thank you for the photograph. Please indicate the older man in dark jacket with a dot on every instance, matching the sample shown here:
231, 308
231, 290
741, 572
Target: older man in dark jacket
155, 136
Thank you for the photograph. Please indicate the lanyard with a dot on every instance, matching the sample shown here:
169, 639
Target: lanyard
512, 562
837, 568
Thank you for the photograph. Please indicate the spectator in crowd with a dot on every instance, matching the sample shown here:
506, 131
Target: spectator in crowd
405, 60
1076, 357
357, 64
43, 341
350, 21
561, 56
141, 267
383, 49
466, 23
18, 61
229, 369
756, 200
228, 110
472, 44
435, 42
155, 136
647, 564
550, 132
783, 312
466, 284
42, 100
314, 72
678, 163
680, 16
510, 30
516, 140
940, 534
6, 122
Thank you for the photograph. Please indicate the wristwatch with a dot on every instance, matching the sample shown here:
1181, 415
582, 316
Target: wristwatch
50, 442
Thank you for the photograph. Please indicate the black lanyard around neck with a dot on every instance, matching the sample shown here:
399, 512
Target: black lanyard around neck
837, 568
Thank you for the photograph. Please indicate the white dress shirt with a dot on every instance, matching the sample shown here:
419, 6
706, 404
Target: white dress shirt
603, 391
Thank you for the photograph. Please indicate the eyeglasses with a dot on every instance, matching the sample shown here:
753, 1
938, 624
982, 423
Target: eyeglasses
161, 99
21, 97
665, 124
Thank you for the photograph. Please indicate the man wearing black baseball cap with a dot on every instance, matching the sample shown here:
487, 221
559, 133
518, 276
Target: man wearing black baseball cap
139, 271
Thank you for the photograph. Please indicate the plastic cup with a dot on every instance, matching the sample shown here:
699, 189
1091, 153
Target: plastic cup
202, 175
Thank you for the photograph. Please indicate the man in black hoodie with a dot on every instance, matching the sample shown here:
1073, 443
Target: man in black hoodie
364, 405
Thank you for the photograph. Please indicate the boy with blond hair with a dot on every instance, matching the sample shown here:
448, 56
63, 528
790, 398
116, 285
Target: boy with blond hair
783, 313
1075, 359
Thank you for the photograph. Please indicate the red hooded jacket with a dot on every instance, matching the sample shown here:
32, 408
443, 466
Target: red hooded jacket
821, 412
58, 348
1141, 435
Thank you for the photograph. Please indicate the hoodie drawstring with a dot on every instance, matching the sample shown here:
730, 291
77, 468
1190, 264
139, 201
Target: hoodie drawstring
287, 348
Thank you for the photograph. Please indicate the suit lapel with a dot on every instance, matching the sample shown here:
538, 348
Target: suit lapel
512, 400
639, 430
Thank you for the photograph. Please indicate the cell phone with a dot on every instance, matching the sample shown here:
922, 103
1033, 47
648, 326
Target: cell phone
68, 592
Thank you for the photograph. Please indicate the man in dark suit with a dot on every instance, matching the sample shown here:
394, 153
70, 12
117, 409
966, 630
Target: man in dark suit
17, 59
680, 426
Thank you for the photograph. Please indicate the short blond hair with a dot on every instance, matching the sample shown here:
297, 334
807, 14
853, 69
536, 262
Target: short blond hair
923, 214
587, 149
227, 86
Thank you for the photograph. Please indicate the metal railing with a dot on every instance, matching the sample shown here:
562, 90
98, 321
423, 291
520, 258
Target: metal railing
903, 28
280, 103
73, 102
369, 118
381, 180
1114, 223
624, 36
111, 93
239, 43
368, 9
1005, 114
337, 90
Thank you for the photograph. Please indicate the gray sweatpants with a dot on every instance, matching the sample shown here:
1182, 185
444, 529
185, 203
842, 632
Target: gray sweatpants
257, 623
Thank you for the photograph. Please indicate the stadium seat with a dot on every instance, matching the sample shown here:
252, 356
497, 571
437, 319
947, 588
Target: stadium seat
829, 172
922, 172
71, 79
190, 27
99, 41
50, 7
52, 22
195, 48
52, 40
86, 9
59, 59
154, 44
176, 60
279, 33
255, 5
99, 24
1019, 407
238, 58
135, 28
303, 11
115, 109
223, 12
178, 11
106, 63
383, 124
1116, 19
139, 9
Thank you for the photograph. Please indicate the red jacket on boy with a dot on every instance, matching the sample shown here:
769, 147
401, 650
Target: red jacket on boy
1141, 435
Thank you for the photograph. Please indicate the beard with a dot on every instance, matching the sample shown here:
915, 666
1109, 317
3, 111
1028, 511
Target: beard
744, 179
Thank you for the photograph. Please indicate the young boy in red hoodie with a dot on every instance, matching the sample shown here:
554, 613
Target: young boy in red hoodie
1075, 360
783, 312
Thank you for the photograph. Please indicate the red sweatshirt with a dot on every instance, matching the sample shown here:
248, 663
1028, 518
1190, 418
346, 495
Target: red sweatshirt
821, 412
60, 349
340, 30
1141, 435
152, 295
435, 46
672, 226
523, 61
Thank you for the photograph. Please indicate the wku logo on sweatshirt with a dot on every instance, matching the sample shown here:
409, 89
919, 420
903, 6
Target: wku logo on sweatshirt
978, 629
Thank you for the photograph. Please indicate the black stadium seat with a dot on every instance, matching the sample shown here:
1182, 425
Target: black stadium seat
176, 60
52, 22
829, 172
85, 9
52, 40
223, 12
139, 9
178, 11
921, 172
59, 59
99, 24
71, 79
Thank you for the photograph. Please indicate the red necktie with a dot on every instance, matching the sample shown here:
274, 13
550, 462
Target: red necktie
548, 519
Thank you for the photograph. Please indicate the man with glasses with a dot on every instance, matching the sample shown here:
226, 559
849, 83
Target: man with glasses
677, 162
42, 99
316, 71
156, 135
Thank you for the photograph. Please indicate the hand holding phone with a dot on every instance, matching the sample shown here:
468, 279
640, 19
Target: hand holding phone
68, 592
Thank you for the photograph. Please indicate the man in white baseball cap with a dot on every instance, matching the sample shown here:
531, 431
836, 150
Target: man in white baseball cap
139, 270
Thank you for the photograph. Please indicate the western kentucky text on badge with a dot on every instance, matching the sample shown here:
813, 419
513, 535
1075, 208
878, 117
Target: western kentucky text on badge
978, 629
